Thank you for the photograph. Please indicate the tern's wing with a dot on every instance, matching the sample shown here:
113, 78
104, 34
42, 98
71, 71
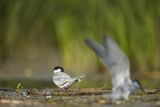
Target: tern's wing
97, 48
114, 54
61, 78
117, 61
114, 58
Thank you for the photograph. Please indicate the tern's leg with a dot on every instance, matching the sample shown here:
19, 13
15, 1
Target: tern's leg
64, 89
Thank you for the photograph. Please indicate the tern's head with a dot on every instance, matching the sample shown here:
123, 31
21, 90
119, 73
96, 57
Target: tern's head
137, 85
58, 69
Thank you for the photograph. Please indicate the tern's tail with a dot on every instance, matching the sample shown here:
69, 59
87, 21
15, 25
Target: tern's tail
78, 79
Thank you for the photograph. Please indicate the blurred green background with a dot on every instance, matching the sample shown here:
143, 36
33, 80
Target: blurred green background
38, 35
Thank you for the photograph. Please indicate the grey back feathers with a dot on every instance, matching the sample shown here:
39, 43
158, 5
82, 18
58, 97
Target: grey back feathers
113, 57
62, 79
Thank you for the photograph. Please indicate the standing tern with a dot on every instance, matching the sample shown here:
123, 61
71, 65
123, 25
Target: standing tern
62, 79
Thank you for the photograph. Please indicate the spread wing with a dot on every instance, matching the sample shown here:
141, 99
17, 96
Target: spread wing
114, 58
97, 48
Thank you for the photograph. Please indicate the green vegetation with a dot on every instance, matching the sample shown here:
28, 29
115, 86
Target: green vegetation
62, 24
19, 87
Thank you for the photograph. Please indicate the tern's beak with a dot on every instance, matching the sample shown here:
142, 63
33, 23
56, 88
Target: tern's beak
140, 86
142, 89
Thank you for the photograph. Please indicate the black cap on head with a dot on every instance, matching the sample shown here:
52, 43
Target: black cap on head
59, 67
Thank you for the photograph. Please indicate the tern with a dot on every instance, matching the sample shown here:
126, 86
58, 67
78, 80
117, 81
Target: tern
64, 80
118, 64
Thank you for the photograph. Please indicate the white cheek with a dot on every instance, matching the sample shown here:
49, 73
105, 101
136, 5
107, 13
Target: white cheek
56, 71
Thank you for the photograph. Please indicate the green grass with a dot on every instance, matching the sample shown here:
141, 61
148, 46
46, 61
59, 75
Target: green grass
134, 24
